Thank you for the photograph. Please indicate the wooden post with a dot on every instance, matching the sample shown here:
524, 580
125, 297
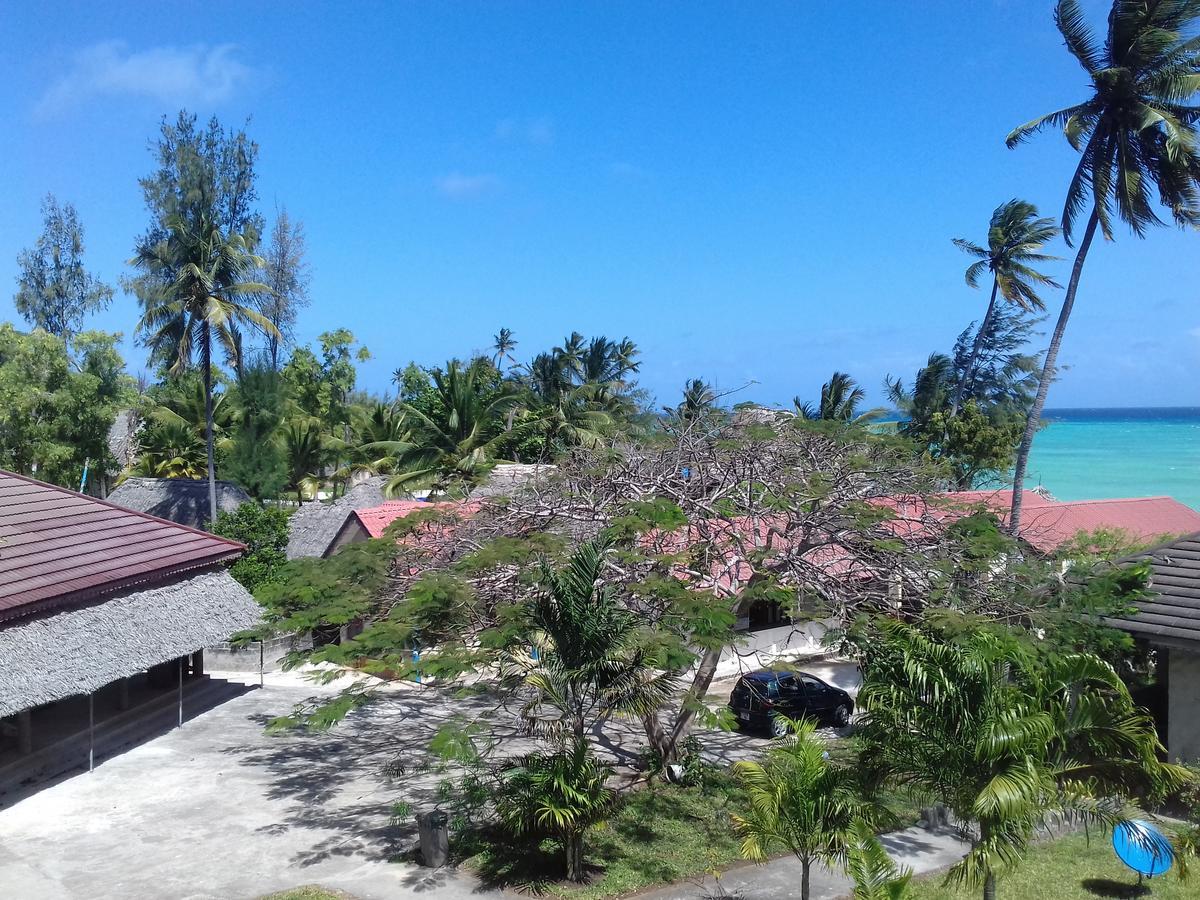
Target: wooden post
198, 663
181, 692
25, 732
91, 732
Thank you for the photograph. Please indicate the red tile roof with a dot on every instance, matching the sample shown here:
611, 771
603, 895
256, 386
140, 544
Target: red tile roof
1050, 525
58, 547
1047, 524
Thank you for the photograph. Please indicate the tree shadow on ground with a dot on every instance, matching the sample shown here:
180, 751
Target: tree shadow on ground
1109, 887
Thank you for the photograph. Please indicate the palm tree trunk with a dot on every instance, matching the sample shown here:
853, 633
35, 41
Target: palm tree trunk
976, 347
206, 361
573, 843
1048, 366
989, 887
805, 865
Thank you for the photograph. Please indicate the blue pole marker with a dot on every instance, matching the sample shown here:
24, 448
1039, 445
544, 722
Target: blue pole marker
1143, 848
533, 651
417, 659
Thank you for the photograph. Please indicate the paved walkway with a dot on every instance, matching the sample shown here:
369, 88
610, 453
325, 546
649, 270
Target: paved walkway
220, 810
918, 849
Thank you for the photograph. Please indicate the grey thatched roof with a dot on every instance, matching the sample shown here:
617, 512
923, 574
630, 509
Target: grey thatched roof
79, 650
509, 477
313, 527
181, 500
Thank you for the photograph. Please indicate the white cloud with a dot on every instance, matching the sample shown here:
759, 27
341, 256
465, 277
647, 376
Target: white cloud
534, 131
198, 74
1194, 332
460, 186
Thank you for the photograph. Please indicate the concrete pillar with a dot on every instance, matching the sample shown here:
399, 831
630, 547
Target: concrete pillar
25, 732
198, 663
123, 694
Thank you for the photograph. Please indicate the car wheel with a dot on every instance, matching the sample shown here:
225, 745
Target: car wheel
841, 715
779, 727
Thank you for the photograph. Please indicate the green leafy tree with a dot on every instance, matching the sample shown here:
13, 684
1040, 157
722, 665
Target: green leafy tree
255, 458
978, 443
54, 290
800, 801
56, 407
1016, 238
1005, 738
1136, 135
264, 531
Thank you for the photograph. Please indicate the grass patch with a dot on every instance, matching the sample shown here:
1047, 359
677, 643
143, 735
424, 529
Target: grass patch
308, 892
1069, 868
659, 835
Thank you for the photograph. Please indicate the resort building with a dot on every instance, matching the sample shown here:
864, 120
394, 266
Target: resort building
180, 500
101, 609
319, 529
1169, 620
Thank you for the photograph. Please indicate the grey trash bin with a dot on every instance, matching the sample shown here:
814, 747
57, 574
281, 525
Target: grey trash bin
434, 828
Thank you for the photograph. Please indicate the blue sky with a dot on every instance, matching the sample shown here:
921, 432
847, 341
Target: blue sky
751, 191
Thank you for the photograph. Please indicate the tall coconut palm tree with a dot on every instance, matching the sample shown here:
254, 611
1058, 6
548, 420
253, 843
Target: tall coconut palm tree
840, 399
699, 399
504, 346
1016, 237
202, 272
801, 802
1135, 133
1007, 740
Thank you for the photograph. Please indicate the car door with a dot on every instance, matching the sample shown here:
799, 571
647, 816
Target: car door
818, 694
793, 701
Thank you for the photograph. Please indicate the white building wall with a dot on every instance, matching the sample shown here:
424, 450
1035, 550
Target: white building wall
760, 649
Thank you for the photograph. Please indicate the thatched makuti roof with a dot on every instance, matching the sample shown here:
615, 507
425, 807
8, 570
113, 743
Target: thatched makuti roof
76, 651
181, 500
313, 527
506, 478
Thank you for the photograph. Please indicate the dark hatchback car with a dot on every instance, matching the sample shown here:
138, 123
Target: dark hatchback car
760, 699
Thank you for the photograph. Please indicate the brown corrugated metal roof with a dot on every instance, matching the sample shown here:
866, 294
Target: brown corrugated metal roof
59, 547
1171, 614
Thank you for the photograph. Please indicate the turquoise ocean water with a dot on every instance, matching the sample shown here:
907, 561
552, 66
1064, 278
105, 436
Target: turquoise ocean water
1085, 454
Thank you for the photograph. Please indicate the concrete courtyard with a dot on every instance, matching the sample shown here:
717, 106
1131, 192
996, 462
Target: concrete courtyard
221, 810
